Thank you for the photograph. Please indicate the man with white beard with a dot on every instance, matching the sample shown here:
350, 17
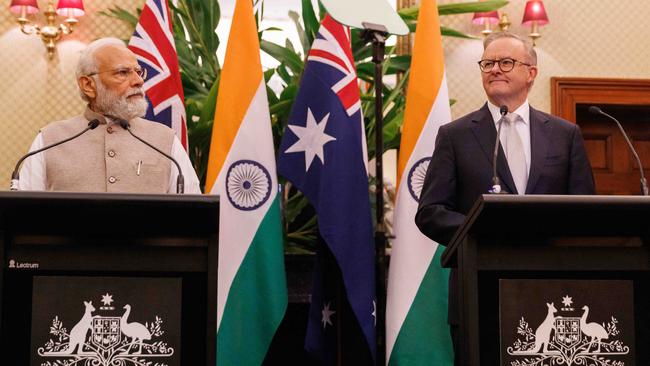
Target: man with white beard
108, 158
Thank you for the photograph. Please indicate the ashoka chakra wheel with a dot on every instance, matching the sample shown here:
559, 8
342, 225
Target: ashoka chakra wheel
248, 185
416, 177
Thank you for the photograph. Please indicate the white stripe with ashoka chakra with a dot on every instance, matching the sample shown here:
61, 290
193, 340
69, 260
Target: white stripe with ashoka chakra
239, 227
412, 251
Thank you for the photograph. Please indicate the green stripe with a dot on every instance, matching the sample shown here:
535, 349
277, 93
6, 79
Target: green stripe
257, 299
424, 338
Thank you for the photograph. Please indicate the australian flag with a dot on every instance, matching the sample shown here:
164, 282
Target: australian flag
323, 153
153, 44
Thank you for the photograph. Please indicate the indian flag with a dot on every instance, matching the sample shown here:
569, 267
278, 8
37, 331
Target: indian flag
416, 311
252, 290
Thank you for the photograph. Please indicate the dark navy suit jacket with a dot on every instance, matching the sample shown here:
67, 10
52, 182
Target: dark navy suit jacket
461, 170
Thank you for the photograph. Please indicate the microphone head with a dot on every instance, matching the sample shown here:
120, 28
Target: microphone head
125, 124
595, 110
93, 124
503, 110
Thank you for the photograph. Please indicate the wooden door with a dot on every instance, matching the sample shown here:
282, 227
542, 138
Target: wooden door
614, 166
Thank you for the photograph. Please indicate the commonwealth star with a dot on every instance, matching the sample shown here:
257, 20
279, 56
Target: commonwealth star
311, 138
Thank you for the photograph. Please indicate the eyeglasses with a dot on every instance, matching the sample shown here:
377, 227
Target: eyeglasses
123, 73
505, 64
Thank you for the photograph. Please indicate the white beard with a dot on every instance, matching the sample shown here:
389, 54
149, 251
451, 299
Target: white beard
113, 105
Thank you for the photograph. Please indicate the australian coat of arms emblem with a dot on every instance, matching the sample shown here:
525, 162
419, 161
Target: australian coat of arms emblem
106, 340
571, 336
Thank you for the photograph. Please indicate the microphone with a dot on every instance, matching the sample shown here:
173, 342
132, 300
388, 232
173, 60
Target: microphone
496, 185
644, 184
180, 180
15, 176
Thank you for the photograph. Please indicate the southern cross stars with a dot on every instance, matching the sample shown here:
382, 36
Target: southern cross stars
311, 138
327, 315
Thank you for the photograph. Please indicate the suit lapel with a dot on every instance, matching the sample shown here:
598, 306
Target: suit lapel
540, 133
486, 133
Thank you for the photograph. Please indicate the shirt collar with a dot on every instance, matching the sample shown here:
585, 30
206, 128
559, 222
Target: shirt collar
523, 111
89, 114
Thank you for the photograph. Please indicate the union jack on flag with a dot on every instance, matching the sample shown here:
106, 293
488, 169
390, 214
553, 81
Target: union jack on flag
153, 44
332, 47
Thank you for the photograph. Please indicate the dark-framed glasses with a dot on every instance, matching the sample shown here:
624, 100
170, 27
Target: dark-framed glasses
505, 64
123, 73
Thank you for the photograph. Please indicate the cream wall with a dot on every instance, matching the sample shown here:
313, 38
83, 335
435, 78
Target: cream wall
590, 38
35, 90
596, 38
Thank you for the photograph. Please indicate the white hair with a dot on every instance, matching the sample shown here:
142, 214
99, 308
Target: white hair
88, 64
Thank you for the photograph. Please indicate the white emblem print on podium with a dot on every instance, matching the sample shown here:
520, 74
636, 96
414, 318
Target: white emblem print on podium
106, 331
567, 346
568, 334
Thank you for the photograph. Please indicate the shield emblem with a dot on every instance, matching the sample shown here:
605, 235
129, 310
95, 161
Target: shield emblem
567, 331
106, 332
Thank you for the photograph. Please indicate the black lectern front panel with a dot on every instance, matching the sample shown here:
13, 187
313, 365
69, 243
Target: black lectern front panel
547, 241
108, 279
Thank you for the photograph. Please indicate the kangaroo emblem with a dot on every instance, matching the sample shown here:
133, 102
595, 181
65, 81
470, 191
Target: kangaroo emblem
79, 331
543, 332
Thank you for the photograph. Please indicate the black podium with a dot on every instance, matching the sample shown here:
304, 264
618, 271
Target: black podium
77, 238
553, 242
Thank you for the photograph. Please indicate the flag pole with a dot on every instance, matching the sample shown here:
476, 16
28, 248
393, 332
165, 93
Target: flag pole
376, 34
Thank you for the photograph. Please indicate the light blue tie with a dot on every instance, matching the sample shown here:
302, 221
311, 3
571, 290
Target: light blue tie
515, 153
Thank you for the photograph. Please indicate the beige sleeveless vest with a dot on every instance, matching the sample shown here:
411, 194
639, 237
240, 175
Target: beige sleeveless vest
108, 158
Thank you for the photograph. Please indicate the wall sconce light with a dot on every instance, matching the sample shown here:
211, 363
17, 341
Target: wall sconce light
534, 17
504, 22
486, 19
50, 32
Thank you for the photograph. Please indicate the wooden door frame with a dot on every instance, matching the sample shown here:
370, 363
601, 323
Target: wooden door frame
567, 92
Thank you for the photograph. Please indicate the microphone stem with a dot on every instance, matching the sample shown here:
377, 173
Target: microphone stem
180, 181
644, 183
496, 184
495, 177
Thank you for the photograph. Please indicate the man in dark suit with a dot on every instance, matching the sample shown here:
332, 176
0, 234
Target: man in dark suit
539, 153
